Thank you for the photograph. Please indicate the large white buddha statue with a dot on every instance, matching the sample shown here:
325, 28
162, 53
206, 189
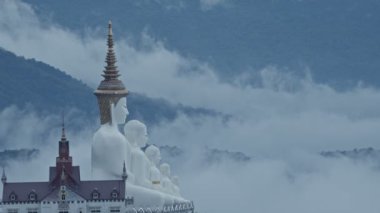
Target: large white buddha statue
109, 148
136, 133
166, 183
154, 175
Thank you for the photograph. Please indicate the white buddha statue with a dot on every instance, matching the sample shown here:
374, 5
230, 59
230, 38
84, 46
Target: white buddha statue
166, 183
136, 133
120, 111
109, 148
175, 182
154, 175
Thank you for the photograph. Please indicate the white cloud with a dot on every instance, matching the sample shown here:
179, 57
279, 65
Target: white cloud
209, 4
265, 186
302, 182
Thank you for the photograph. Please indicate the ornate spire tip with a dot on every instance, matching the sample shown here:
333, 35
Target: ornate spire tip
63, 126
124, 175
3, 177
109, 27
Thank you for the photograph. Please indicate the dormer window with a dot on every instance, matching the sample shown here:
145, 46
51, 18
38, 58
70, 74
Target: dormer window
32, 196
95, 195
114, 194
13, 196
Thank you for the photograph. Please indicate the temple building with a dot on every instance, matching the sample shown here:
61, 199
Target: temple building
65, 191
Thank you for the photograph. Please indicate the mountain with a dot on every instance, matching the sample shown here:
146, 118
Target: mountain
355, 154
45, 88
155, 110
207, 157
213, 156
17, 155
337, 40
30, 83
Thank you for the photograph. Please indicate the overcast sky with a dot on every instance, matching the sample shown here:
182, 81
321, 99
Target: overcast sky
283, 125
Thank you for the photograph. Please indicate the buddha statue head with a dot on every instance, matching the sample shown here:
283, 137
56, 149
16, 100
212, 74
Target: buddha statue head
153, 154
175, 180
120, 111
136, 133
165, 169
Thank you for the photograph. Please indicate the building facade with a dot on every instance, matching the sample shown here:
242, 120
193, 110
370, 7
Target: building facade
65, 191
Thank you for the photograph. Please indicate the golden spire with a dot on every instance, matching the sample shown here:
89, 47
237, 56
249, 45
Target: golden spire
111, 72
111, 88
109, 28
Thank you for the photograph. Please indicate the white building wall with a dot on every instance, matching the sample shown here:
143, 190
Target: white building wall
20, 207
105, 206
73, 206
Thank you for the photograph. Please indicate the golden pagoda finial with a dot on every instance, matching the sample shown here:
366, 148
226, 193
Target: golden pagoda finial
111, 88
109, 27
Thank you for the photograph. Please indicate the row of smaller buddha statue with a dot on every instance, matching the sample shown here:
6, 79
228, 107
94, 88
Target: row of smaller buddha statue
111, 148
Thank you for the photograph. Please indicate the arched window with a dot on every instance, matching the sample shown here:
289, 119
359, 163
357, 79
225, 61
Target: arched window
95, 194
13, 196
115, 194
32, 196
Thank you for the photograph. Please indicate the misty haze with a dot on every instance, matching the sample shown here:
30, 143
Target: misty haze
220, 105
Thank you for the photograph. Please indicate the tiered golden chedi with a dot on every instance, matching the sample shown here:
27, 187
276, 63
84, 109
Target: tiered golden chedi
111, 89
